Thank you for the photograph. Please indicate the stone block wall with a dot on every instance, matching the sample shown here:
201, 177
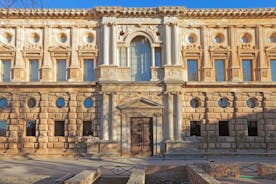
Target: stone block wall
45, 113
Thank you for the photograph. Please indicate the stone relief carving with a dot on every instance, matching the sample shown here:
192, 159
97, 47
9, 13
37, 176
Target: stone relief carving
126, 30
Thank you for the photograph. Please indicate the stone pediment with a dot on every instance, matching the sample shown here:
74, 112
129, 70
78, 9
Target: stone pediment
192, 51
32, 51
60, 51
7, 51
220, 51
87, 51
270, 52
6, 48
141, 103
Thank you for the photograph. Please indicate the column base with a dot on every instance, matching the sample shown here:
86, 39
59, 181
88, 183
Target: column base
173, 73
107, 73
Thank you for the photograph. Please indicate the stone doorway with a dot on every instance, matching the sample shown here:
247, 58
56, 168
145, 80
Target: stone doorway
141, 136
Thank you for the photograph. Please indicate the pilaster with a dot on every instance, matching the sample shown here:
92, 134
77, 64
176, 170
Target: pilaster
18, 71
262, 67
207, 67
46, 72
74, 69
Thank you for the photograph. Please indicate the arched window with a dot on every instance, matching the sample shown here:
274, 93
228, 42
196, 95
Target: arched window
140, 54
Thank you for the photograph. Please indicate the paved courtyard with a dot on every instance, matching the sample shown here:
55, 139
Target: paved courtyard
40, 171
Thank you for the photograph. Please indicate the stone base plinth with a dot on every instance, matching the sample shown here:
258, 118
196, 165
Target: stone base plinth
102, 147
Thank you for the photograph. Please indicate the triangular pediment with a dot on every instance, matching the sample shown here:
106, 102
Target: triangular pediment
141, 103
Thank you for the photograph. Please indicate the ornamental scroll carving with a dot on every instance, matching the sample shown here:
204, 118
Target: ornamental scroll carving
87, 51
127, 32
32, 51
7, 51
192, 51
62, 52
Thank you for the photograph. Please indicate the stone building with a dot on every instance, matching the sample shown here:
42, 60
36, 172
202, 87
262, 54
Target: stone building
137, 81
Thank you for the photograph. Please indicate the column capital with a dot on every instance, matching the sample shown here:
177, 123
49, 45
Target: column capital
170, 20
109, 21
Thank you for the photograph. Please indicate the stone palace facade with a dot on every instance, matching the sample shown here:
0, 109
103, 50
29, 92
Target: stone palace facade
137, 81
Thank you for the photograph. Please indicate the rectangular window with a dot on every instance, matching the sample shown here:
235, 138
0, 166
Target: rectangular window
157, 56
6, 71
223, 128
123, 56
59, 128
88, 70
192, 70
30, 128
247, 70
195, 128
3, 128
87, 128
273, 70
61, 70
252, 128
34, 70
219, 70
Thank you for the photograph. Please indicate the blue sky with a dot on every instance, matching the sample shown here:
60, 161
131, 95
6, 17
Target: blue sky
153, 3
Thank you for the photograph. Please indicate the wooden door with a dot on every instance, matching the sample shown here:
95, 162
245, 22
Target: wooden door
141, 136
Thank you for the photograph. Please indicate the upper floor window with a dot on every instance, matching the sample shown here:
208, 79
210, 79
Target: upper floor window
61, 70
34, 70
140, 55
192, 70
6, 70
219, 70
157, 56
273, 70
122, 52
88, 70
247, 70
3, 128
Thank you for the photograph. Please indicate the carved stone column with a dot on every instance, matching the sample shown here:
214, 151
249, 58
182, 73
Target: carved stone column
152, 56
207, 67
262, 66
113, 53
175, 49
106, 44
18, 67
128, 56
46, 74
168, 43
105, 117
113, 127
170, 117
178, 116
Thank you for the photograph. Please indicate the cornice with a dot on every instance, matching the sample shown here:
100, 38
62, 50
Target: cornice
114, 11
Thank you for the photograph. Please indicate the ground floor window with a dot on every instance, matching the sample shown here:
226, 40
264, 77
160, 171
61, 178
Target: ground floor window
87, 128
195, 128
59, 128
252, 128
30, 128
3, 128
223, 128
